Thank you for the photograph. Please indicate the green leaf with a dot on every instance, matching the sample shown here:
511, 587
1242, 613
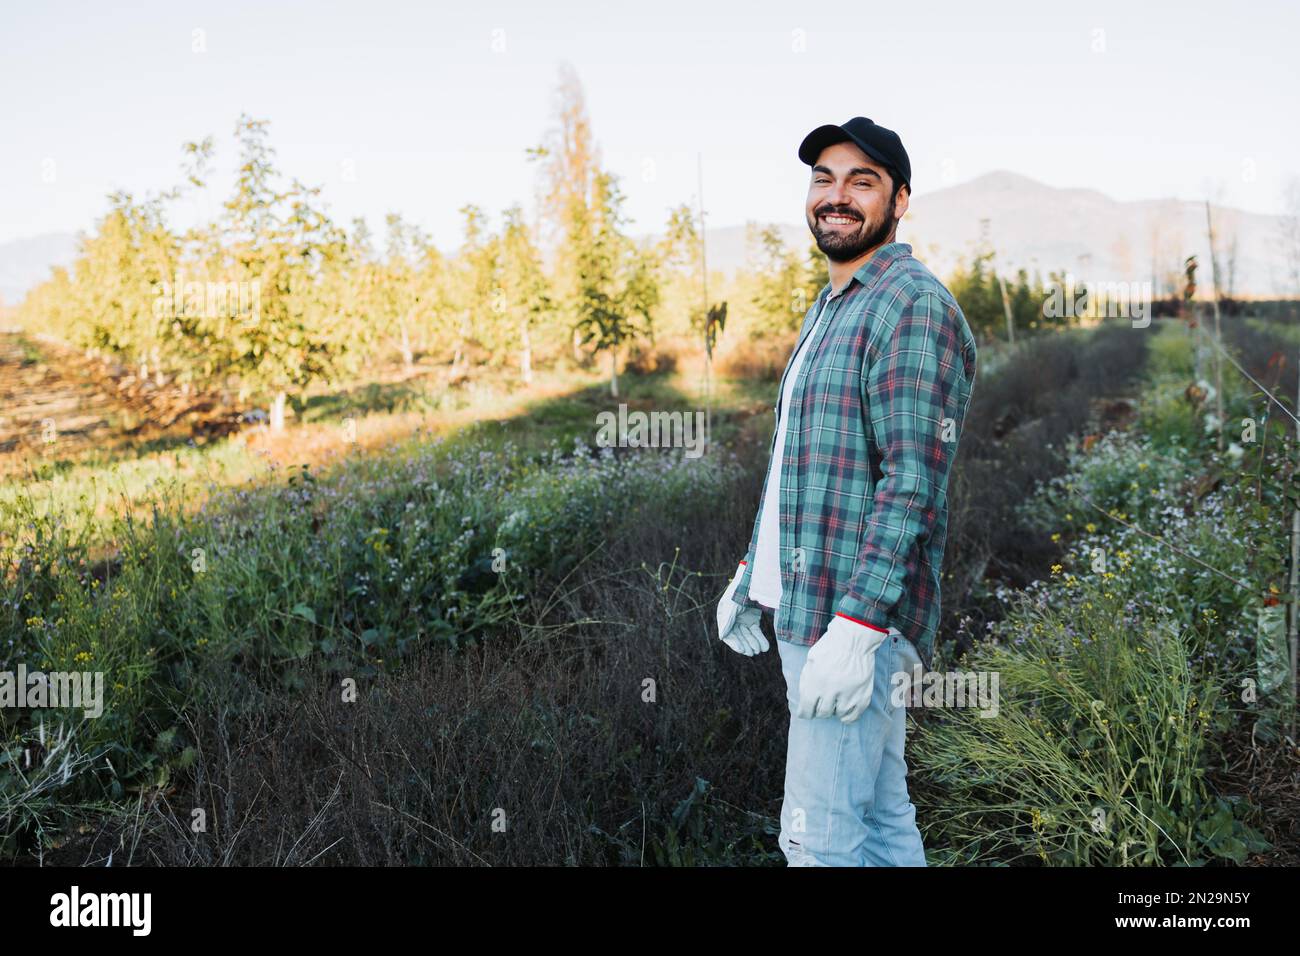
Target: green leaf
303, 611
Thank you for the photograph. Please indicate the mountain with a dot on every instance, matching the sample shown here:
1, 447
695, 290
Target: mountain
1029, 224
27, 262
1082, 231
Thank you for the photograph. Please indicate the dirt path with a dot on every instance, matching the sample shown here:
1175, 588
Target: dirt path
57, 405
45, 412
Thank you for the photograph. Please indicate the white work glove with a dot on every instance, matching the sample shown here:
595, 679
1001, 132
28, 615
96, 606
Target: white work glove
840, 670
739, 626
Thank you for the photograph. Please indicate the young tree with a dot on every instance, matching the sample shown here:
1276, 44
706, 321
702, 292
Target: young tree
617, 291
405, 295
569, 163
476, 288
281, 242
975, 288
782, 283
525, 291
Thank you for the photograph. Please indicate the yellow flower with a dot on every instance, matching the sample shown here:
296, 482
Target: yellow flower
1090, 527
1056, 569
1056, 537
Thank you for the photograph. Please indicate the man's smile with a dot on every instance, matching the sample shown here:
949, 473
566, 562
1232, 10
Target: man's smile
838, 219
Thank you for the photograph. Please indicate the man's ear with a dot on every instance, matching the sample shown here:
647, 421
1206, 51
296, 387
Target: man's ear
900, 201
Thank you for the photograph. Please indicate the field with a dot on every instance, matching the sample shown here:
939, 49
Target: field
316, 655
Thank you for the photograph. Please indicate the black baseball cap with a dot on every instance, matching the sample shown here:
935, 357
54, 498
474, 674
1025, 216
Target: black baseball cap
881, 144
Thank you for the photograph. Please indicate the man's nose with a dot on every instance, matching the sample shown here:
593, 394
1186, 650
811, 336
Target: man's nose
838, 195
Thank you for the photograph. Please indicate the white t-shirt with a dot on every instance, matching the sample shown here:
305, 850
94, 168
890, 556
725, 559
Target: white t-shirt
765, 582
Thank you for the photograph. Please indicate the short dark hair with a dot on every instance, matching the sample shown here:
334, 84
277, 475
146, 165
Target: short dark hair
897, 181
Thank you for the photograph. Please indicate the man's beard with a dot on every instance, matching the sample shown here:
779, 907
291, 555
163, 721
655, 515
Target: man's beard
845, 245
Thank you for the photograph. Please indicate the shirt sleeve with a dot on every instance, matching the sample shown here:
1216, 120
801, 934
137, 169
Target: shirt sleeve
914, 390
741, 594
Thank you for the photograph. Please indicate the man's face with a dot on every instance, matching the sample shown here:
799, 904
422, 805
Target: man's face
849, 208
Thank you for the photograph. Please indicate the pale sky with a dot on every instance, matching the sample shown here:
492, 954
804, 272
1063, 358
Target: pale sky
423, 107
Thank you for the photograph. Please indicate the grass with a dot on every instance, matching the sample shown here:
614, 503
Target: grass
1120, 671
338, 665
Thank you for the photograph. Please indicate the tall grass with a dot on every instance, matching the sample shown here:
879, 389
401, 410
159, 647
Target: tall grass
1120, 671
527, 631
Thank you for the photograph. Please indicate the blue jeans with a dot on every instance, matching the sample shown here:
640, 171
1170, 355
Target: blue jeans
846, 801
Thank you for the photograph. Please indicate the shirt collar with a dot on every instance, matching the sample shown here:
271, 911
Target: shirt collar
872, 269
875, 267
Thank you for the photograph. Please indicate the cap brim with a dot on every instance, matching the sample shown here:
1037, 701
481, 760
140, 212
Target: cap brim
819, 139
829, 135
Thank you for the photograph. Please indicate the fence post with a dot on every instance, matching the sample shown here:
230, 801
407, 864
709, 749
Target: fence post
1218, 331
1293, 619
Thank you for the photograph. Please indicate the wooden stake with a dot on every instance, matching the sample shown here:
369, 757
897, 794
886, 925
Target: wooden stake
1218, 330
1293, 619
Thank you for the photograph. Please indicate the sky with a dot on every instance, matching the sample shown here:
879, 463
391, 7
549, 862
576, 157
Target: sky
420, 108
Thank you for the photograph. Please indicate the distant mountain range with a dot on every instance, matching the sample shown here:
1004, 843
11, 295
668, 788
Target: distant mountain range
1029, 224
1039, 227
27, 262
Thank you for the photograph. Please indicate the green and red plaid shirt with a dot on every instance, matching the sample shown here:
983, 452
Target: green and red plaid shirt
871, 433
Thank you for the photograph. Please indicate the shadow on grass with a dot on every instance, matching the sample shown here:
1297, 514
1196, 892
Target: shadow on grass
574, 416
371, 398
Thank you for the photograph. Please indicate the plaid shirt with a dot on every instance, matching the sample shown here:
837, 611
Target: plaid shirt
872, 429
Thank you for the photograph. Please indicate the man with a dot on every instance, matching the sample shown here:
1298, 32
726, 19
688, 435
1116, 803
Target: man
847, 547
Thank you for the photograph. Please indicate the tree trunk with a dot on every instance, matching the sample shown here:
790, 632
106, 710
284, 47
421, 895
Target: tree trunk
526, 357
613, 372
277, 412
408, 358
